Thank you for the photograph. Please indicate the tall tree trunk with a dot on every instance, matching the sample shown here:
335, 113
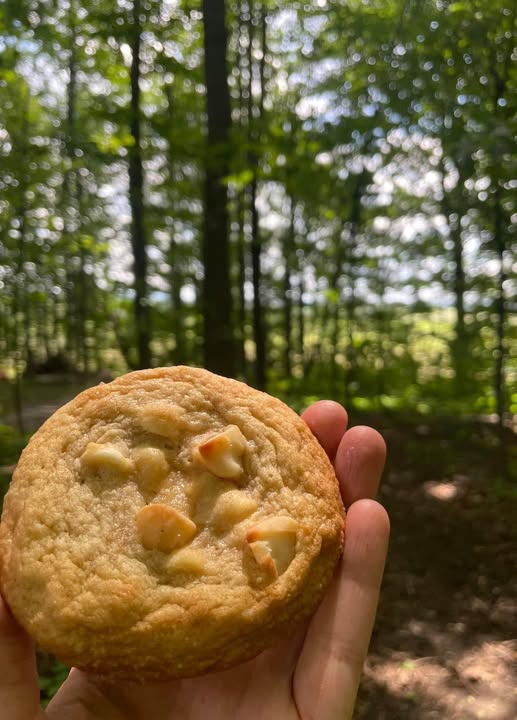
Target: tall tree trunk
142, 310
499, 384
73, 198
500, 80
256, 245
289, 255
460, 340
217, 300
71, 214
19, 299
452, 208
241, 269
240, 204
331, 311
179, 356
355, 221
44, 336
301, 319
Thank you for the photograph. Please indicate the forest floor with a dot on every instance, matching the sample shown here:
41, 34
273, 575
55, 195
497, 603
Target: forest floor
445, 641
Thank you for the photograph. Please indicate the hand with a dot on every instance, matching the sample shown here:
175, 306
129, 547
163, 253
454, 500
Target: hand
314, 674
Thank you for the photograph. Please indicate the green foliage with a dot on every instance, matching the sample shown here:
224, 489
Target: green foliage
11, 444
382, 135
52, 674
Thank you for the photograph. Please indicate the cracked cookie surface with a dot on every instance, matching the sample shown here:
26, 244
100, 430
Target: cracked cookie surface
169, 523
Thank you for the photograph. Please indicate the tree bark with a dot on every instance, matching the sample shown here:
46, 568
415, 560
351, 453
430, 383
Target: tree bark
301, 320
452, 209
141, 305
75, 311
500, 80
241, 310
217, 300
256, 244
74, 197
20, 302
499, 383
179, 355
289, 255
355, 221
240, 211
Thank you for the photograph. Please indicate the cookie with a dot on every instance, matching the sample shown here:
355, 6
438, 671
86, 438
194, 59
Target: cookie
167, 524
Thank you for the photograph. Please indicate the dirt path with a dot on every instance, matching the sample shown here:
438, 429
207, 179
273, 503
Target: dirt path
35, 415
445, 643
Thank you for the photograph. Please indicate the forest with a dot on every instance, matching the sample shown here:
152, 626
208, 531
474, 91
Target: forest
318, 195
317, 198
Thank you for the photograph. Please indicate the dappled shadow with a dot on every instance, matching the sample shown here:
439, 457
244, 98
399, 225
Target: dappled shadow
442, 647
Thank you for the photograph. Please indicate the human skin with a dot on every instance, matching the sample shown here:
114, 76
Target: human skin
312, 675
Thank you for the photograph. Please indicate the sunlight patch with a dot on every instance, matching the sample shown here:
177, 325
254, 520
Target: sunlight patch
446, 490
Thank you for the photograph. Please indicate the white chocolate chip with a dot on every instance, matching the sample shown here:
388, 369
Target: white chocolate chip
163, 528
106, 457
204, 492
262, 553
231, 507
273, 544
222, 453
188, 560
161, 418
151, 466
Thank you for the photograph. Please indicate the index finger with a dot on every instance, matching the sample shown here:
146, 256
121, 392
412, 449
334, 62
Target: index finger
328, 421
358, 454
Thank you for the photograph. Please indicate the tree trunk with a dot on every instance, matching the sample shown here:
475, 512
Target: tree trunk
19, 359
74, 198
301, 320
19, 300
500, 80
256, 245
142, 312
179, 356
217, 300
289, 255
452, 210
499, 383
355, 220
329, 327
241, 262
240, 207
460, 347
77, 299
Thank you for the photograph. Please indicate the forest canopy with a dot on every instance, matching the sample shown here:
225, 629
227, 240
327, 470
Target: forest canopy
318, 197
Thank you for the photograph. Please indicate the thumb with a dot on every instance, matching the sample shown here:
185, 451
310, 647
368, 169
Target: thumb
19, 692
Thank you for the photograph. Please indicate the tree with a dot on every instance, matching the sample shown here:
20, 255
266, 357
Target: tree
217, 300
136, 199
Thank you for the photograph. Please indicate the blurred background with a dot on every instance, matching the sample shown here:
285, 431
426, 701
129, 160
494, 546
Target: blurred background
319, 199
